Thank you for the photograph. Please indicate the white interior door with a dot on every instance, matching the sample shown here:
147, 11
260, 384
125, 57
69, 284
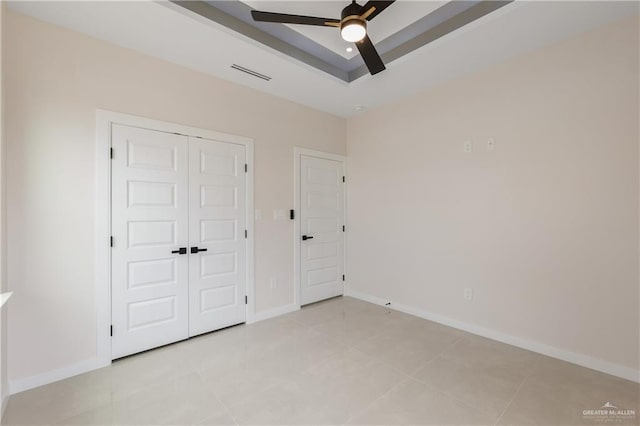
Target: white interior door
149, 223
322, 228
217, 239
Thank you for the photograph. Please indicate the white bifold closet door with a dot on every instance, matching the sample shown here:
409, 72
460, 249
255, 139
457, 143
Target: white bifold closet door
179, 252
217, 273
150, 220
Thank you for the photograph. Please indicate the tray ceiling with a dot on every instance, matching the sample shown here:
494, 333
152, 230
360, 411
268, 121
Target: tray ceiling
418, 24
395, 18
175, 34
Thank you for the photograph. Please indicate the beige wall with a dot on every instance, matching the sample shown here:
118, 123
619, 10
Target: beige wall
544, 229
55, 81
4, 384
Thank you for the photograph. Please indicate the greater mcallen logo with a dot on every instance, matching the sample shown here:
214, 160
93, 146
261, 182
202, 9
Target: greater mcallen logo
609, 413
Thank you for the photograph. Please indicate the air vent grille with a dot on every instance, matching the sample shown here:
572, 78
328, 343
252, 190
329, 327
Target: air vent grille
250, 72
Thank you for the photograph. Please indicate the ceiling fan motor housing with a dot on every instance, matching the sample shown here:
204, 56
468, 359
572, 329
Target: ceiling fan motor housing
351, 16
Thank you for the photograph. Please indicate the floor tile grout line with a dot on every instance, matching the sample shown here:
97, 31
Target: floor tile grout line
382, 362
350, 345
452, 396
127, 395
510, 401
401, 382
438, 355
226, 409
309, 368
323, 362
313, 328
333, 339
279, 381
526, 377
411, 374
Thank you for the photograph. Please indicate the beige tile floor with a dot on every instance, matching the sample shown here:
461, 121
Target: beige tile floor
342, 361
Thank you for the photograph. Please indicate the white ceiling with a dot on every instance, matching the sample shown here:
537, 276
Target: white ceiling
172, 33
395, 17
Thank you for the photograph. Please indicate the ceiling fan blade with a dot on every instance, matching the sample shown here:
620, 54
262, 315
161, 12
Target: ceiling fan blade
370, 55
373, 7
284, 18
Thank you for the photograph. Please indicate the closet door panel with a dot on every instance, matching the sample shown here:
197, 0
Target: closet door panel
217, 212
149, 223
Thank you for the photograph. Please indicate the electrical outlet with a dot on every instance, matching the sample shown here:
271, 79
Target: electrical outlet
468, 293
468, 147
491, 145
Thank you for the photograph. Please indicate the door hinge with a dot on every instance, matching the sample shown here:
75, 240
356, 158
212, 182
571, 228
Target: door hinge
344, 179
342, 277
246, 167
246, 234
110, 241
246, 300
111, 331
292, 214
343, 228
111, 153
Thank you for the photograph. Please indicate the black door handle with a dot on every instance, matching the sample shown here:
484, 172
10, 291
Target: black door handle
306, 237
196, 249
181, 250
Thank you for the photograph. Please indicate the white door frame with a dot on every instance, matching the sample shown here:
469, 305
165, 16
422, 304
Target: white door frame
297, 236
104, 120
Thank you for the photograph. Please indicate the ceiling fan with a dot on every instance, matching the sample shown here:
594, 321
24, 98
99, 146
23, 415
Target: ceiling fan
353, 27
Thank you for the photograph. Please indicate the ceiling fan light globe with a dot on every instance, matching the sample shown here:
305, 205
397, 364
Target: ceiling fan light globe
353, 31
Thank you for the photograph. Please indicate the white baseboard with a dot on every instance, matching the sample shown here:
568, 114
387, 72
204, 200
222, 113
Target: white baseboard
5, 401
20, 385
275, 312
562, 354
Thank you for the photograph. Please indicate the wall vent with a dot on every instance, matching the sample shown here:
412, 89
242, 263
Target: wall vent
250, 72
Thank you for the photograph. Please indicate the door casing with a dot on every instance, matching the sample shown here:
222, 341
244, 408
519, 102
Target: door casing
297, 235
104, 120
